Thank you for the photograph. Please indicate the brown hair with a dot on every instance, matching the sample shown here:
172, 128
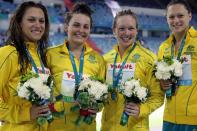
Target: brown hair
182, 2
16, 38
79, 8
123, 13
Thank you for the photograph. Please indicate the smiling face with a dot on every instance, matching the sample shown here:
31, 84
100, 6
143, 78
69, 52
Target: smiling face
125, 30
78, 29
178, 18
33, 24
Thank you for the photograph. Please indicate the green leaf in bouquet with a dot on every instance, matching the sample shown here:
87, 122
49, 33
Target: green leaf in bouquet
96, 78
79, 120
41, 120
89, 119
27, 76
33, 97
168, 60
83, 99
100, 106
75, 108
93, 105
110, 88
49, 80
58, 114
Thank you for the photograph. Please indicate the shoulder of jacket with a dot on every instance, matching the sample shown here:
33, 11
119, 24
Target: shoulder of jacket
6, 52
193, 32
56, 46
96, 54
109, 54
148, 53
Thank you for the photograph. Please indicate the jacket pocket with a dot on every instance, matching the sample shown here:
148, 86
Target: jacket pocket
191, 109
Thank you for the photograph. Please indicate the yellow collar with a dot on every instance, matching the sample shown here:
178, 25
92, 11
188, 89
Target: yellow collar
86, 46
190, 33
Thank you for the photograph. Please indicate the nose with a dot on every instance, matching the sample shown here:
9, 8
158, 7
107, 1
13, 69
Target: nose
176, 19
38, 23
127, 31
81, 29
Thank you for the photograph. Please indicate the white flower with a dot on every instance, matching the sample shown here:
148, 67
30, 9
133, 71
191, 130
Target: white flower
163, 70
128, 90
42, 90
129, 86
84, 84
23, 92
38, 85
177, 68
141, 93
162, 75
136, 83
132, 88
95, 88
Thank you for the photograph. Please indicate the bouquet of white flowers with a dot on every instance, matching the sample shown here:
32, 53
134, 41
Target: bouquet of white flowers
169, 69
36, 89
133, 92
91, 94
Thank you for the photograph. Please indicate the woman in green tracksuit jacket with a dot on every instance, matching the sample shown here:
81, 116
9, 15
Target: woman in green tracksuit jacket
28, 32
138, 64
181, 110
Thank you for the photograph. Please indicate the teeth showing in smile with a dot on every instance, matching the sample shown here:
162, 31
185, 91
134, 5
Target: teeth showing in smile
176, 26
78, 35
125, 38
36, 31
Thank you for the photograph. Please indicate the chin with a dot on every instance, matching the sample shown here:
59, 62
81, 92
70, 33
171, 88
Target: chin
126, 45
178, 31
79, 42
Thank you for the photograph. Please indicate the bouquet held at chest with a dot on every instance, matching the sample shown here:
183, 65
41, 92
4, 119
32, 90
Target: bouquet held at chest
38, 90
91, 94
169, 69
132, 92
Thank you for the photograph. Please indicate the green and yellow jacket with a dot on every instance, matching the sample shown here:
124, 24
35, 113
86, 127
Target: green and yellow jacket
58, 61
15, 111
144, 61
182, 108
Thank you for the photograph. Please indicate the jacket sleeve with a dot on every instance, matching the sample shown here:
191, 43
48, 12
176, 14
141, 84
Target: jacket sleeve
156, 98
57, 105
102, 68
11, 108
160, 52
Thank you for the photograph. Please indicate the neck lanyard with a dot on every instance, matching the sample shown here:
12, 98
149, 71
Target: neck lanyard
33, 62
117, 77
180, 49
78, 76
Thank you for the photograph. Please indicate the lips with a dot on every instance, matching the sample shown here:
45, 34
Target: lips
126, 38
36, 32
80, 35
177, 25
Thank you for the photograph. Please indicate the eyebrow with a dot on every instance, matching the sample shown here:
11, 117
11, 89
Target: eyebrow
35, 17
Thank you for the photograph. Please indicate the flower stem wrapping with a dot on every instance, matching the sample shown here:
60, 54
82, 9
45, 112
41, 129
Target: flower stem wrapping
124, 119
